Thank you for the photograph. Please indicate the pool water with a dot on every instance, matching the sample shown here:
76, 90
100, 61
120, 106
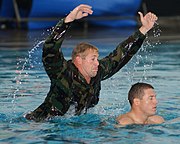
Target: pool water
24, 85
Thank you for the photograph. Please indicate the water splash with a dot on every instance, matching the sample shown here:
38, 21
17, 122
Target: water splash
144, 57
33, 60
28, 63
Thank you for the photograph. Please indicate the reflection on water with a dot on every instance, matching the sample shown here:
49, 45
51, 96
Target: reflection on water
24, 85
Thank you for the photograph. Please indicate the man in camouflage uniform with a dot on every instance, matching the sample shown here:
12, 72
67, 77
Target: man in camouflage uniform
77, 82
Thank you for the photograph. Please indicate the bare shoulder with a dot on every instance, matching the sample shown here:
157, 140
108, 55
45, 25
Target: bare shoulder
156, 119
124, 119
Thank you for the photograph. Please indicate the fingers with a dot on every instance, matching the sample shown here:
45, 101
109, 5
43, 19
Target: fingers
85, 9
79, 12
147, 21
85, 6
152, 17
141, 15
85, 14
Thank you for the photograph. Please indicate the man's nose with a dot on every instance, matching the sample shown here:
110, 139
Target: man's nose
97, 62
156, 101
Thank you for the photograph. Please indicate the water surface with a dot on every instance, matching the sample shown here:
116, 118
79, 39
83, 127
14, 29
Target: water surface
24, 85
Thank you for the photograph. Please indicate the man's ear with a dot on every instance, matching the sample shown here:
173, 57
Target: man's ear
136, 101
78, 59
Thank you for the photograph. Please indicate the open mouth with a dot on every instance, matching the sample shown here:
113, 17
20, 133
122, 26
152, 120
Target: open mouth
154, 108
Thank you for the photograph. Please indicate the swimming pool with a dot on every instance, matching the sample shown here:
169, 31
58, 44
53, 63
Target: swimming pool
24, 85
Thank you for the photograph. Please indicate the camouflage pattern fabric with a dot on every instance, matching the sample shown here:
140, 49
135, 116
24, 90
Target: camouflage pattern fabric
68, 86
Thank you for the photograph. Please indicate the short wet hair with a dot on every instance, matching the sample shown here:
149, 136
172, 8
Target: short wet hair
81, 49
137, 91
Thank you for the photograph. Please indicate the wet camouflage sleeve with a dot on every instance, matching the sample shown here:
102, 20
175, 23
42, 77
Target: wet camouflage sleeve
53, 58
121, 55
56, 67
54, 64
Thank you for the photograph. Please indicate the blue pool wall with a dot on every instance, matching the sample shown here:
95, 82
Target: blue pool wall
60, 8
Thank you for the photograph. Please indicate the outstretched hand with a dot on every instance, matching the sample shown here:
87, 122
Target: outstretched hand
147, 21
78, 13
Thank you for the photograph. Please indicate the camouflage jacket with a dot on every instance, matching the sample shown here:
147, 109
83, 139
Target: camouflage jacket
68, 86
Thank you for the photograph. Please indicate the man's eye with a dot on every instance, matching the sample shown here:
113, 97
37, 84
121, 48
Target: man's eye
151, 97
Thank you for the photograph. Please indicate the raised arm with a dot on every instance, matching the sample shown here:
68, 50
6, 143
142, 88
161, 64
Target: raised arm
53, 58
126, 49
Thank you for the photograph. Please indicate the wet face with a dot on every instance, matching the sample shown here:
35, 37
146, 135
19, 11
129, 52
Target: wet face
149, 102
90, 63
